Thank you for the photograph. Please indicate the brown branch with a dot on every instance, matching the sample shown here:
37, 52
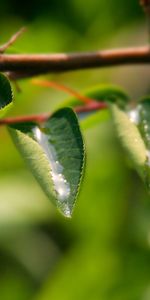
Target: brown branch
43, 117
26, 65
145, 4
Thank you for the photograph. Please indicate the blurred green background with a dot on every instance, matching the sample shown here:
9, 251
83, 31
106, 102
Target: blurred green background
103, 252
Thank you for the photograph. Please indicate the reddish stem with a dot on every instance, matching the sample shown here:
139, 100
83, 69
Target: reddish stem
43, 117
21, 119
58, 86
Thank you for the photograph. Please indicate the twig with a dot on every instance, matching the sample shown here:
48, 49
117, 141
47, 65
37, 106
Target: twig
43, 117
64, 88
27, 65
146, 7
12, 40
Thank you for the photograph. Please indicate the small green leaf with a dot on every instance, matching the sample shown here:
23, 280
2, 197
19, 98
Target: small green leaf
6, 95
55, 154
100, 93
130, 137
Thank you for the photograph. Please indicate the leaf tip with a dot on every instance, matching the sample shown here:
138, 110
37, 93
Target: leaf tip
65, 210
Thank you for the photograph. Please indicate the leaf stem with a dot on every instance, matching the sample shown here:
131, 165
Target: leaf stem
64, 88
43, 117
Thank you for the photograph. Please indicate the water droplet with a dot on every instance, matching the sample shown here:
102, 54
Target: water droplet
67, 213
66, 210
145, 126
61, 185
133, 115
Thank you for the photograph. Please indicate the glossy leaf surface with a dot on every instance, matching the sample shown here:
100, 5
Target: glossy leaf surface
55, 155
6, 95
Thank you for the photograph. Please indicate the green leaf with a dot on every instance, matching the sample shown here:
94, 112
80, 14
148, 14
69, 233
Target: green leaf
143, 112
130, 137
102, 93
6, 95
55, 154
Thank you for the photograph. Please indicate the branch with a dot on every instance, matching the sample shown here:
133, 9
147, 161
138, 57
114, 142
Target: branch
43, 117
12, 40
145, 4
26, 65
